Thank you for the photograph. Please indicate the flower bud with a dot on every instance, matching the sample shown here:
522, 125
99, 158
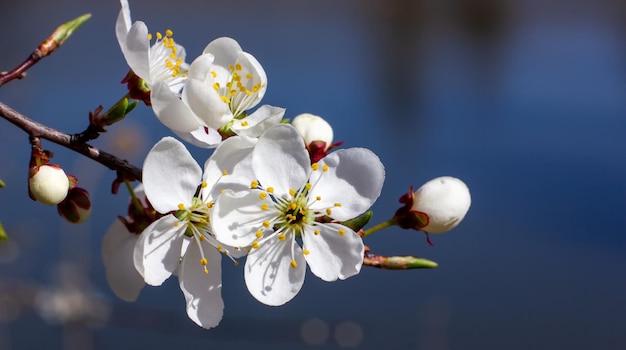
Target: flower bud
48, 184
436, 207
76, 207
313, 128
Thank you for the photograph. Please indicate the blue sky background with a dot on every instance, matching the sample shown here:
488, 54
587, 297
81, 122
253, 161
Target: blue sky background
523, 100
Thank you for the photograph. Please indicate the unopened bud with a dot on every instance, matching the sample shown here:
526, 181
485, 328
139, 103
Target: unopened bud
119, 111
436, 207
48, 184
76, 207
313, 128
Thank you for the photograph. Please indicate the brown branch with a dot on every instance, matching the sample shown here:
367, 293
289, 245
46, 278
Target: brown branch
36, 129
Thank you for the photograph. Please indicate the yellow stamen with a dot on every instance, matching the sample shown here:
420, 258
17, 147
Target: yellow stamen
325, 168
328, 211
262, 195
266, 224
204, 184
254, 184
281, 237
315, 166
294, 264
259, 234
342, 232
270, 189
305, 252
255, 245
181, 206
264, 206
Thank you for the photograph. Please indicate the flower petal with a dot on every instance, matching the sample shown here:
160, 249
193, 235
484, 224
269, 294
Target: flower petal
158, 250
170, 175
203, 136
236, 217
269, 275
224, 49
354, 179
117, 254
331, 254
256, 123
137, 51
206, 103
229, 167
203, 292
201, 67
280, 159
123, 24
170, 110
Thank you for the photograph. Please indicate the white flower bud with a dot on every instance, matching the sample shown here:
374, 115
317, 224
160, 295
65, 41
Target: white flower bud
445, 200
49, 184
313, 128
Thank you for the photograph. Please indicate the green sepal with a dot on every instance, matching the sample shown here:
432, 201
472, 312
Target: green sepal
359, 222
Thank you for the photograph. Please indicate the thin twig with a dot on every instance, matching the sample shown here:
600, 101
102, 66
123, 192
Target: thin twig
37, 129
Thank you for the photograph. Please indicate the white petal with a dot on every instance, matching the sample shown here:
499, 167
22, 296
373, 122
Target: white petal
224, 49
122, 25
354, 179
158, 250
233, 156
269, 275
201, 67
203, 292
280, 160
170, 175
313, 128
118, 246
206, 104
203, 136
236, 217
170, 110
445, 200
258, 122
137, 50
331, 255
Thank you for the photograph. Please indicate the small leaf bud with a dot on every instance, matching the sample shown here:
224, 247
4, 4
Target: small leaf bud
48, 184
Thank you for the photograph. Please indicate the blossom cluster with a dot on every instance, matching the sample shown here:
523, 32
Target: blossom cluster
271, 190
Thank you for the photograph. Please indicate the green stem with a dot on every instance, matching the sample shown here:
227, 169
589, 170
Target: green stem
391, 222
133, 197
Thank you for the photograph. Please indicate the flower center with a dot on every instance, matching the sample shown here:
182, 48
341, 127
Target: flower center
240, 91
165, 64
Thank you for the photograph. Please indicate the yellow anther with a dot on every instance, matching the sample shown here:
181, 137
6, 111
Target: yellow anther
264, 206
220, 248
224, 172
244, 123
316, 232
315, 166
281, 237
294, 264
204, 184
176, 224
308, 186
305, 251
225, 99
293, 206
201, 238
254, 184
216, 86
266, 224
222, 190
203, 261
259, 234
230, 67
328, 211
319, 198
209, 205
255, 245
149, 36
262, 195
248, 92
337, 204
236, 263
249, 75
181, 206
270, 189
292, 192
233, 92
159, 36
169, 32
342, 232
238, 66
214, 74
325, 168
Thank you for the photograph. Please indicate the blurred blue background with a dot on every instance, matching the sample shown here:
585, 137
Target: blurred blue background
523, 100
